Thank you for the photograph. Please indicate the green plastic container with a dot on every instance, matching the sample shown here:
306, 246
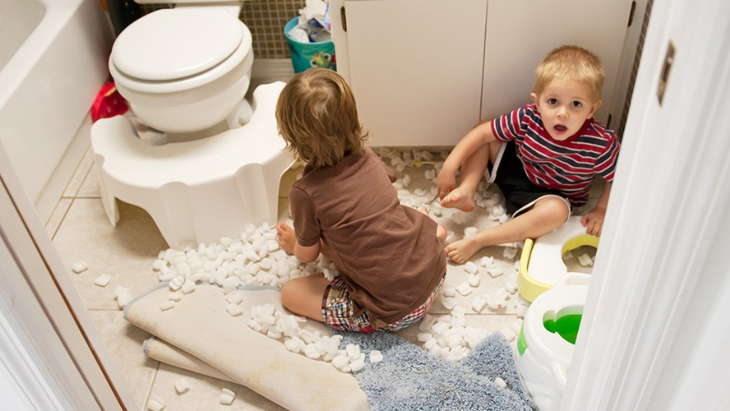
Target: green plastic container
307, 55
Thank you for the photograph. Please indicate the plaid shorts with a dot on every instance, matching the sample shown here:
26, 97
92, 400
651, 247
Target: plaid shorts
337, 310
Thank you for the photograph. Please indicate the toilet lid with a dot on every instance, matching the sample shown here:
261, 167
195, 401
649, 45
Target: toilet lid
173, 44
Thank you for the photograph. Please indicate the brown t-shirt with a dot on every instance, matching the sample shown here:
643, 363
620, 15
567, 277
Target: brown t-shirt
388, 254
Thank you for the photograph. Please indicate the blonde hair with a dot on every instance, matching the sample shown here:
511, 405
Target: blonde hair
570, 63
317, 117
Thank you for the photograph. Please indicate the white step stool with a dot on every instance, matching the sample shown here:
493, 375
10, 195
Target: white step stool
196, 191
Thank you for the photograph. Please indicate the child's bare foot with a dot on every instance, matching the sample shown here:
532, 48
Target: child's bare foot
458, 199
462, 250
285, 237
440, 230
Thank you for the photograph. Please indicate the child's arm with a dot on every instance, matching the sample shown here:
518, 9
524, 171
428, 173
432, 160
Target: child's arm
288, 242
476, 138
593, 221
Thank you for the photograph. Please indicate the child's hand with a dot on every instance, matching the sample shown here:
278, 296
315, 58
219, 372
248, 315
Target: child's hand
285, 237
593, 221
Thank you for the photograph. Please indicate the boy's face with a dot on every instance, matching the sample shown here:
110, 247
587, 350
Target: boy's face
564, 106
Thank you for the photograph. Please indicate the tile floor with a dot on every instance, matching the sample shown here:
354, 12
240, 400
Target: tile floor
80, 231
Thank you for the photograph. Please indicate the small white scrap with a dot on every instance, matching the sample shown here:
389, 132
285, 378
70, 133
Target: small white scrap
79, 266
464, 289
470, 232
227, 396
500, 382
449, 290
234, 310
167, 305
585, 260
182, 385
102, 280
155, 403
357, 365
448, 302
375, 356
470, 267
510, 252
477, 304
473, 280
495, 272
121, 294
188, 287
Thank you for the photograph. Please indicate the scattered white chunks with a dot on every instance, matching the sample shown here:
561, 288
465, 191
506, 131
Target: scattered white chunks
585, 260
500, 382
79, 266
182, 385
376, 356
102, 280
155, 403
227, 396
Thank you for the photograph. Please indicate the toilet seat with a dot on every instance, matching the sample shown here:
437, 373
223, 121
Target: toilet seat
541, 263
545, 357
173, 50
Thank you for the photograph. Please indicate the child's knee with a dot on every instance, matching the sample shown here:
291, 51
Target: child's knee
555, 209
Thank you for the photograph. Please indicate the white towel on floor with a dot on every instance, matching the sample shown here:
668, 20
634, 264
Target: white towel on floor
200, 326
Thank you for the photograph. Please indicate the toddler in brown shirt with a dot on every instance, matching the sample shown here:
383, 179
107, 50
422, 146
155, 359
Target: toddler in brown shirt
390, 257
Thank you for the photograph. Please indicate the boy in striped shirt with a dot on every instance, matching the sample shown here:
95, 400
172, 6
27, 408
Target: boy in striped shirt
543, 156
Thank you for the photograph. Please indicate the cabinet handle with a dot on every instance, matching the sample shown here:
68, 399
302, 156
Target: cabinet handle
343, 16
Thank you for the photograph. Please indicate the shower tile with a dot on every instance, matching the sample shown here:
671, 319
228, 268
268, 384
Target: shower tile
125, 252
124, 343
204, 393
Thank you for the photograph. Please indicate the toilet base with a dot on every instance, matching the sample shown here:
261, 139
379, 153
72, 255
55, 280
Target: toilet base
196, 191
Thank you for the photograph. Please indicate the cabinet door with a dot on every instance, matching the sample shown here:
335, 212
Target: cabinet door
520, 33
415, 67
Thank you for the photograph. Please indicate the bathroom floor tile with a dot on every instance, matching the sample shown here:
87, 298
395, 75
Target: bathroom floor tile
124, 342
125, 252
90, 186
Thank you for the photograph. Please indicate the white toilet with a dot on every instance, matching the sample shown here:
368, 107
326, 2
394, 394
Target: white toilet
185, 72
185, 69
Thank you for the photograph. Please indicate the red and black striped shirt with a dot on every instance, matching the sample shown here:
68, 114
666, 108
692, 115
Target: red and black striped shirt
569, 165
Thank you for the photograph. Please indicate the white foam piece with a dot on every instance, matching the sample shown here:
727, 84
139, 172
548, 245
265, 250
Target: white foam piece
376, 356
188, 287
464, 289
426, 323
448, 302
486, 261
500, 382
448, 290
311, 351
102, 280
176, 296
470, 232
357, 365
182, 385
154, 404
423, 337
473, 280
477, 304
510, 252
167, 305
227, 396
234, 310
495, 272
341, 361
79, 266
430, 343
353, 351
585, 260
176, 283
471, 268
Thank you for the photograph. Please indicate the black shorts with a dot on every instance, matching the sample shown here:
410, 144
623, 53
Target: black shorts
519, 192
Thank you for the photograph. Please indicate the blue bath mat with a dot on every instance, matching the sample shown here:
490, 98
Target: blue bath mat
410, 378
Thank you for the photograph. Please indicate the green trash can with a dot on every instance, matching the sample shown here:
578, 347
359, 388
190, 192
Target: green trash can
307, 55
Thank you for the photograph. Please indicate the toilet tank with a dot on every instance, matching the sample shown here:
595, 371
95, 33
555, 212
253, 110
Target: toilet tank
232, 6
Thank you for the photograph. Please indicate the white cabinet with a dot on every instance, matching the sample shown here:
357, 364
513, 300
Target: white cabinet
425, 71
